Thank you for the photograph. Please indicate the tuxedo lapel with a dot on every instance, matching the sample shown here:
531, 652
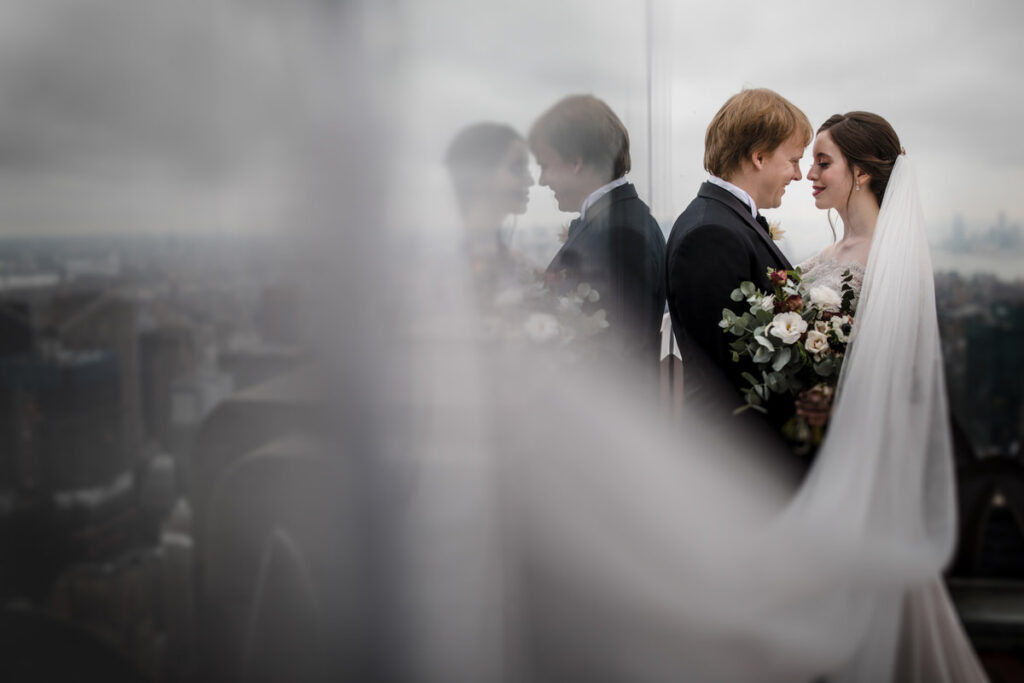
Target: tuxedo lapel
713, 192
601, 206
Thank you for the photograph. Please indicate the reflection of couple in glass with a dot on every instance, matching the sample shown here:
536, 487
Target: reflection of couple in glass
882, 477
614, 246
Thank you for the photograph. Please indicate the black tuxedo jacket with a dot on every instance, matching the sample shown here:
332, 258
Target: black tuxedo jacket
619, 249
715, 245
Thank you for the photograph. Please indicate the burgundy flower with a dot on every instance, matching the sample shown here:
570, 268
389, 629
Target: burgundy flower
795, 303
778, 277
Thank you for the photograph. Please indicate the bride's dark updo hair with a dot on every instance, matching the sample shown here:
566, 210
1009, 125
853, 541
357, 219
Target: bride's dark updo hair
868, 142
474, 154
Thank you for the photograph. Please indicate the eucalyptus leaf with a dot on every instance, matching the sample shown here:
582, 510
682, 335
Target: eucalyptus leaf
747, 288
763, 355
782, 357
825, 367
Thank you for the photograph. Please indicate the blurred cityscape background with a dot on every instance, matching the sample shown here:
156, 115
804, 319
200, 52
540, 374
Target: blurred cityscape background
137, 373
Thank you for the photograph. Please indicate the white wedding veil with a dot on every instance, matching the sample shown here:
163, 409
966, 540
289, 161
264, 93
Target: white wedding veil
886, 462
884, 473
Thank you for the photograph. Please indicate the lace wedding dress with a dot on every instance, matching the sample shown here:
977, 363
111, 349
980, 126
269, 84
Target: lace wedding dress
826, 270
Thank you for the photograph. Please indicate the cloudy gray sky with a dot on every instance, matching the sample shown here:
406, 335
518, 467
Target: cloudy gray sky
948, 76
134, 117
196, 115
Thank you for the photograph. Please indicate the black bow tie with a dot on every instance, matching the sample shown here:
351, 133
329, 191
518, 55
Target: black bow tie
763, 222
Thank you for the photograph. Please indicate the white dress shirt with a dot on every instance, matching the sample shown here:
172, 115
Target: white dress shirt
600, 192
738, 192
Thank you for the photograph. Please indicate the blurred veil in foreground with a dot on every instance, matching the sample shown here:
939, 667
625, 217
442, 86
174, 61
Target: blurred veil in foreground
530, 517
522, 516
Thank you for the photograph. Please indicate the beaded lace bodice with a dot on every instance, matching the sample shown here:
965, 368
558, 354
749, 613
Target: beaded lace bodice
825, 270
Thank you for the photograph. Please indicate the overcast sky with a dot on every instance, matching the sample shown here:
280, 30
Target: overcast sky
948, 76
194, 115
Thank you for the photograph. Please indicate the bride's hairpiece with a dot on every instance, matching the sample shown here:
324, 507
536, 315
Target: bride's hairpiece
903, 151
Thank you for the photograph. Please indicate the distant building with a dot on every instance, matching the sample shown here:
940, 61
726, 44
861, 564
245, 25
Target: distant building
60, 421
982, 323
166, 353
69, 359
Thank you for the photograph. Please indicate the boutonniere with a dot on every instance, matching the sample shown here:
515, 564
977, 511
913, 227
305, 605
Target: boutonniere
775, 229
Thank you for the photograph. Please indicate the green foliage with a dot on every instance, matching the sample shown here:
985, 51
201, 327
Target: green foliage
763, 341
781, 358
728, 318
825, 368
785, 369
762, 355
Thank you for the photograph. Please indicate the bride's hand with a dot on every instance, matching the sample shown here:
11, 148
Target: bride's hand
815, 405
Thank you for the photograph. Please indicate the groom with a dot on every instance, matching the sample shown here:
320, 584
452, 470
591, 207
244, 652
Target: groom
615, 245
752, 151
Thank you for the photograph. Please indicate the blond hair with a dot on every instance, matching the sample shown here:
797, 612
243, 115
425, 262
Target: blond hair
755, 120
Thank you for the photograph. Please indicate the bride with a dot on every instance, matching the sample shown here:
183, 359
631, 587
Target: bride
886, 461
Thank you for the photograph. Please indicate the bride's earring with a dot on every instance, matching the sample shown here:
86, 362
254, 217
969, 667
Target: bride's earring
856, 186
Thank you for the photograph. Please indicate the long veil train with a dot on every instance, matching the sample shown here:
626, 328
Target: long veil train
884, 473
560, 529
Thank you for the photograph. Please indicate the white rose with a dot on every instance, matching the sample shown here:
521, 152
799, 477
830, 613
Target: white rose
816, 343
788, 327
821, 326
568, 304
826, 298
837, 326
541, 327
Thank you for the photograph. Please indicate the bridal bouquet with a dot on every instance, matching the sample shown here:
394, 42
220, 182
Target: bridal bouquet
541, 314
796, 338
